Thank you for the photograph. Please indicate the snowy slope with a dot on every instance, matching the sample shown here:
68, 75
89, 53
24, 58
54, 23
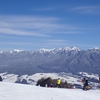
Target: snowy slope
14, 91
70, 78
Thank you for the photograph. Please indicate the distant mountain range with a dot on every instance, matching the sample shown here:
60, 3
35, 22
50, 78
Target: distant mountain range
68, 60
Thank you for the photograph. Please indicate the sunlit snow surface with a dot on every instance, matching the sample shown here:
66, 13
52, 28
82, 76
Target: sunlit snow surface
14, 91
70, 78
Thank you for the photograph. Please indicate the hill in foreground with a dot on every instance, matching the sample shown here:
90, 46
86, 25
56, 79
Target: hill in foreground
14, 91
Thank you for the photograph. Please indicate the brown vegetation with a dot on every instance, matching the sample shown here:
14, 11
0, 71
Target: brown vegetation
49, 82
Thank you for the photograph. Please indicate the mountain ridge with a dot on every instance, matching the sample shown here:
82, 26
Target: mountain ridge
70, 60
49, 50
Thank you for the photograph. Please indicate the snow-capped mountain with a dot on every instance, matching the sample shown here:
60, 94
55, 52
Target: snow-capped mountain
16, 50
0, 51
47, 50
68, 60
59, 49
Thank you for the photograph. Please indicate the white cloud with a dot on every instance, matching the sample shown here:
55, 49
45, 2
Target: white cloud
45, 9
37, 26
87, 9
19, 32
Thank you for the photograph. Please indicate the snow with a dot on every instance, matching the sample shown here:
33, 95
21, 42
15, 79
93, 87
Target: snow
84, 74
70, 78
95, 48
72, 48
0, 51
63, 76
45, 50
53, 50
14, 91
16, 50
58, 49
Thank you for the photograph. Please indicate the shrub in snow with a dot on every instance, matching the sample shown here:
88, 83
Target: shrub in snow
49, 82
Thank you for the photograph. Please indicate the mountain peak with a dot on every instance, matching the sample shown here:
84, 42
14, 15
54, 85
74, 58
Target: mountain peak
72, 48
16, 50
95, 48
44, 50
59, 49
0, 51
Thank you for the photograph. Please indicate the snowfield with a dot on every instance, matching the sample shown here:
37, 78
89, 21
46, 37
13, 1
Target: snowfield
14, 91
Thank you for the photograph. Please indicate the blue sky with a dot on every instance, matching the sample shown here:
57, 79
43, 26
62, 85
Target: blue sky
35, 24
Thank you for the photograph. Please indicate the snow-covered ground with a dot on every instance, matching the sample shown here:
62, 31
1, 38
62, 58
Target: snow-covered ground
32, 79
35, 77
15, 91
